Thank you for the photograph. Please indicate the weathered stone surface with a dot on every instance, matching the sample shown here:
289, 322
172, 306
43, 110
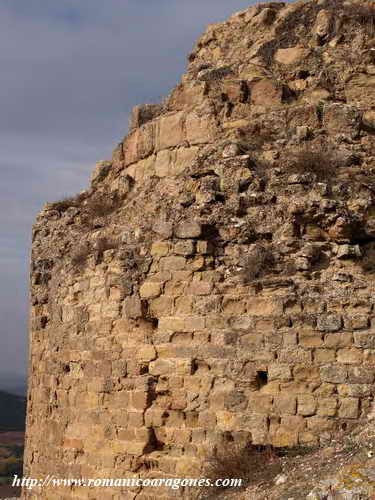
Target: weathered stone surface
188, 230
368, 119
144, 113
322, 24
291, 55
198, 130
150, 290
329, 323
266, 93
215, 283
361, 89
170, 131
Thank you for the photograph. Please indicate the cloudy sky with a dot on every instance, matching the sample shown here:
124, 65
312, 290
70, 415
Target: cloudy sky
71, 70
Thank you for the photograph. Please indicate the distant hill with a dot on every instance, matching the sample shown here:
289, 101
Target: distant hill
12, 412
13, 383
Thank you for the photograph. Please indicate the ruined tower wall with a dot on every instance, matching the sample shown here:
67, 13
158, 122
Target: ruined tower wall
203, 291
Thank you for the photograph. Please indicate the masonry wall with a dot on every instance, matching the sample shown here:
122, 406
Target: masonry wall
115, 391
201, 293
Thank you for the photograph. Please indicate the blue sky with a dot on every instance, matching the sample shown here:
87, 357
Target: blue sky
71, 71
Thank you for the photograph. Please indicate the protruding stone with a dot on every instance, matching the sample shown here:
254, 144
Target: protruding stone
329, 322
368, 119
348, 252
188, 230
292, 55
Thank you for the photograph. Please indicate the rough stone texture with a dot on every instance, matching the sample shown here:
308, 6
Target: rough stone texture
215, 280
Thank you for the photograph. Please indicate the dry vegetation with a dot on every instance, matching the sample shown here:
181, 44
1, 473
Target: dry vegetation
250, 463
68, 202
258, 262
321, 162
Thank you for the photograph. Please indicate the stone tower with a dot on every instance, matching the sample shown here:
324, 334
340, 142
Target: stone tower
215, 283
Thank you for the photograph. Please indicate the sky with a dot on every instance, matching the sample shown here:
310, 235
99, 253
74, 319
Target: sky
71, 71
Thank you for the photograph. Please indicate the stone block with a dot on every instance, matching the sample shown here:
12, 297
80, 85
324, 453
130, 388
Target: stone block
193, 323
146, 353
325, 390
226, 420
289, 339
257, 424
343, 339
163, 229
299, 116
184, 367
348, 252
233, 305
155, 417
143, 113
360, 375
160, 249
323, 356
355, 390
278, 371
207, 419
259, 403
291, 55
327, 407
140, 400
306, 405
183, 159
184, 247
170, 131
184, 305
265, 93
162, 164
307, 438
175, 288
348, 408
235, 401
329, 322
132, 307
295, 356
364, 339
199, 130
161, 306
284, 404
172, 324
284, 437
336, 374
162, 367
262, 306
350, 355
146, 140
295, 422
340, 118
130, 148
368, 119
200, 288
188, 230
254, 340
234, 124
306, 373
310, 339
150, 290
320, 424
177, 263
